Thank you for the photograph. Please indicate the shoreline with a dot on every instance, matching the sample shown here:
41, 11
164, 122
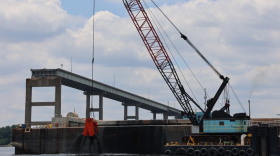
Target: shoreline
6, 146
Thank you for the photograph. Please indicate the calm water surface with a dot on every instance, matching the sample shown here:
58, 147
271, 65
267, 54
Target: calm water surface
10, 151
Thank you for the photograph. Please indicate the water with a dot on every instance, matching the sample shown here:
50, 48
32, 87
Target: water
10, 151
7, 151
79, 140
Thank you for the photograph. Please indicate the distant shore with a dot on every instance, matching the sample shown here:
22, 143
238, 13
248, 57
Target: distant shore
6, 146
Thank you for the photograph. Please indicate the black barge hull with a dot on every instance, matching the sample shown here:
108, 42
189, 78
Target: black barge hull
138, 139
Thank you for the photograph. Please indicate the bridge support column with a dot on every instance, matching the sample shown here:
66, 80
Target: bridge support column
165, 116
87, 106
178, 116
57, 108
99, 110
155, 112
28, 100
126, 117
101, 107
125, 112
154, 116
42, 82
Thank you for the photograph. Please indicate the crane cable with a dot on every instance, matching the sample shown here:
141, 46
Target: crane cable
181, 55
166, 17
152, 15
189, 42
92, 57
236, 97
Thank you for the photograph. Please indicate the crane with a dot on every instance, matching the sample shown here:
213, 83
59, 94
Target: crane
160, 56
166, 68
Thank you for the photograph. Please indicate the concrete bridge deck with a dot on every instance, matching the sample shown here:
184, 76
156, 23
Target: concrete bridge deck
90, 87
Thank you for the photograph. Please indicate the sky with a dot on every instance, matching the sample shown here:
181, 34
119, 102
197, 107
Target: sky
240, 38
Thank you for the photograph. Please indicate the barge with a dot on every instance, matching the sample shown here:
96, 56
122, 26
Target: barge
162, 137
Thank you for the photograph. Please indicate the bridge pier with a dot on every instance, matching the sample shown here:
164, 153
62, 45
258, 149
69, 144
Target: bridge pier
87, 105
99, 110
126, 117
154, 116
42, 82
165, 115
101, 107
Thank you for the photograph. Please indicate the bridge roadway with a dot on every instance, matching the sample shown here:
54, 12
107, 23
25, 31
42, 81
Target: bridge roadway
87, 85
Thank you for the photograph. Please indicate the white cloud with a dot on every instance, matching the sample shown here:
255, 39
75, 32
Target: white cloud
239, 37
25, 20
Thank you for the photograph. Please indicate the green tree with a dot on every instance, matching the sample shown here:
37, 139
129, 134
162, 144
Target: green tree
6, 134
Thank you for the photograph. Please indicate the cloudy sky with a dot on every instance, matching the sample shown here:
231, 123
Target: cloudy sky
241, 39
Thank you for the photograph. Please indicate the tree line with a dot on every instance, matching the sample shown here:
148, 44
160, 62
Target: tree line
6, 134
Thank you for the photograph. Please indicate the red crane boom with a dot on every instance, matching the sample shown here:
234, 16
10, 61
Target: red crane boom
160, 56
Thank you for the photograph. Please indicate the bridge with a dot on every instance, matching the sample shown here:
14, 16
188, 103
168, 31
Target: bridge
58, 77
